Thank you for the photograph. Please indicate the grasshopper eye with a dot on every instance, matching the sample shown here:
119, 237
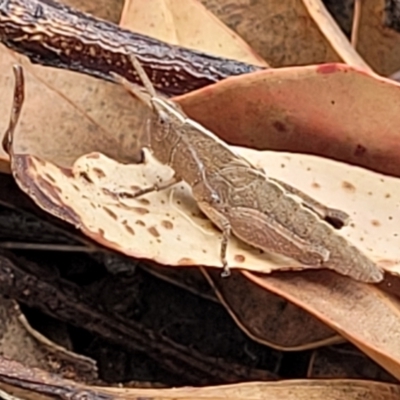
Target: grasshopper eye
215, 198
162, 117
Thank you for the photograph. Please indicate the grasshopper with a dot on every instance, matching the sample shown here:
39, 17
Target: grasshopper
241, 199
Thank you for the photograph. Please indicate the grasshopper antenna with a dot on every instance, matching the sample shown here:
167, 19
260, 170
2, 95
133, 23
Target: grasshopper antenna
142, 75
131, 88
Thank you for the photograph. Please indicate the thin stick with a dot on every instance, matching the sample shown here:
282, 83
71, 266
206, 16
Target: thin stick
49, 247
356, 23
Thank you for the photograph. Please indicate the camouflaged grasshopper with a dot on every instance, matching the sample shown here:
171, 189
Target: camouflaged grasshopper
240, 199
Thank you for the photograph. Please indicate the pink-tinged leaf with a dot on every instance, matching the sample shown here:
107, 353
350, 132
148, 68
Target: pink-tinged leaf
332, 110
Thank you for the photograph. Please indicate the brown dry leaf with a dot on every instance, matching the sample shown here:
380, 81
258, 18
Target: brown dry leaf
106, 9
189, 24
267, 318
333, 34
332, 110
20, 342
155, 226
29, 383
69, 114
377, 42
344, 361
363, 314
283, 32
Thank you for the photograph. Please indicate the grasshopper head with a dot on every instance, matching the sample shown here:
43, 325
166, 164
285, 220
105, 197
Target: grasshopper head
164, 128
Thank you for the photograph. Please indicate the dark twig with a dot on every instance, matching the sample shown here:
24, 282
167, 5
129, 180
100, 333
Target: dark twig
56, 35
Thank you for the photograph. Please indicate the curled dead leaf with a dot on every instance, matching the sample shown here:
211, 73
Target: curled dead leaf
363, 314
18, 379
167, 226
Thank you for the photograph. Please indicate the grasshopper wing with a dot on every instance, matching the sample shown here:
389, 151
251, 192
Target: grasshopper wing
261, 231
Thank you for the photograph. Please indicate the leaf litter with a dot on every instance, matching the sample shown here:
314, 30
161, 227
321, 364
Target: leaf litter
15, 376
167, 226
301, 290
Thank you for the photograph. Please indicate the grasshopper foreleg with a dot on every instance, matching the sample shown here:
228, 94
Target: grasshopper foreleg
149, 189
226, 233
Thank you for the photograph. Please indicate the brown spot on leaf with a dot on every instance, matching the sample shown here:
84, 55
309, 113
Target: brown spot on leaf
140, 210
76, 187
85, 176
387, 196
348, 186
375, 222
128, 227
140, 222
99, 173
135, 188
110, 213
186, 261
49, 177
279, 126
359, 150
240, 258
144, 201
315, 185
153, 231
167, 224
40, 162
